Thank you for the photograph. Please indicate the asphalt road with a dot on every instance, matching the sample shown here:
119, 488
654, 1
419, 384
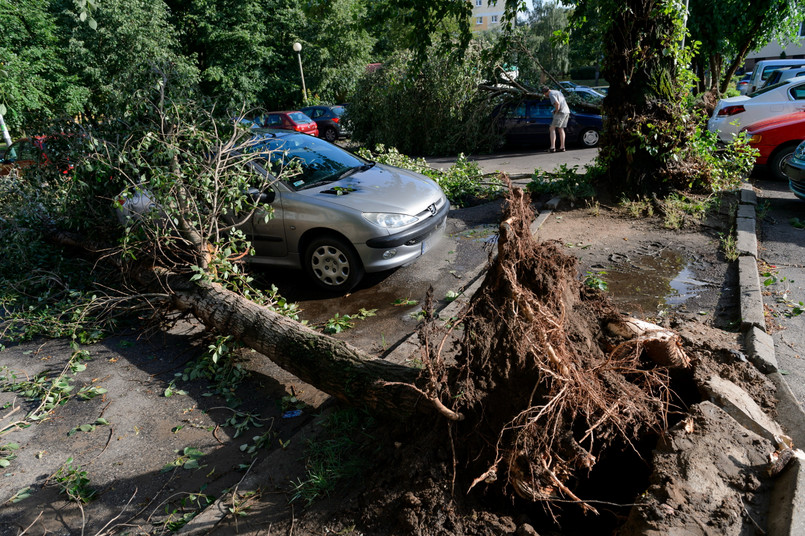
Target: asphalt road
781, 245
522, 162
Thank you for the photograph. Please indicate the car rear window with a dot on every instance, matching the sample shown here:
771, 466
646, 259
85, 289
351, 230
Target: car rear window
338, 110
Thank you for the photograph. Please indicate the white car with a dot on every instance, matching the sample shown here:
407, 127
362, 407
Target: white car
733, 113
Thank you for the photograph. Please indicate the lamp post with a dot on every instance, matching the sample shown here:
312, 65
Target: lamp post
297, 47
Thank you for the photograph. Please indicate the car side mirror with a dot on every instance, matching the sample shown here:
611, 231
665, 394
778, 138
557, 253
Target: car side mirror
262, 197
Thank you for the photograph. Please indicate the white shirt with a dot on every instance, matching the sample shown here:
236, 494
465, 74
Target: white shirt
556, 97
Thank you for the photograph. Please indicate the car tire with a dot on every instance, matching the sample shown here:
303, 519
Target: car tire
776, 160
331, 135
589, 138
333, 264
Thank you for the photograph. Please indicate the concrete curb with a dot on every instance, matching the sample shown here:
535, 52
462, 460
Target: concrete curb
787, 506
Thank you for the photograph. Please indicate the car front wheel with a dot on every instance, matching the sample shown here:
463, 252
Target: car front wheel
589, 138
333, 264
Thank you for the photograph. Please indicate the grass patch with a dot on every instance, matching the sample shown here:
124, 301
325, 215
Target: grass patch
340, 453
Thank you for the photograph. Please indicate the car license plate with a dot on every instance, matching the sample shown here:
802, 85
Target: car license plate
426, 244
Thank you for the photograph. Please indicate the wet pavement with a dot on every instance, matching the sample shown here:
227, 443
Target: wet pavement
396, 297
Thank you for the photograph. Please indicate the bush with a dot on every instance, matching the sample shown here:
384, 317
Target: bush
430, 108
463, 183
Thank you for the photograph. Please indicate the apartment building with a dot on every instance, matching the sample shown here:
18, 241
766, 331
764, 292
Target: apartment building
486, 15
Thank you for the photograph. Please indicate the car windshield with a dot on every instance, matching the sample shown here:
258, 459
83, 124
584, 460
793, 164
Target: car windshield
318, 162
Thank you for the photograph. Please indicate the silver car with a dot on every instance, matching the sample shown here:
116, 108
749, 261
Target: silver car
341, 215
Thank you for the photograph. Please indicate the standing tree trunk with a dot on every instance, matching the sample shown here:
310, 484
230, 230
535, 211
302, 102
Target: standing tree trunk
645, 119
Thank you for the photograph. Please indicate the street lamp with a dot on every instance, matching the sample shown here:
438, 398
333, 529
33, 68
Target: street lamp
297, 47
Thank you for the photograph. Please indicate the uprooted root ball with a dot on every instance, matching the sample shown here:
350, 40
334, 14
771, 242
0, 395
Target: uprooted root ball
542, 388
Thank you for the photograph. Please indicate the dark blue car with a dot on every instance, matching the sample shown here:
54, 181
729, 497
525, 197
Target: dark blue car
794, 169
526, 123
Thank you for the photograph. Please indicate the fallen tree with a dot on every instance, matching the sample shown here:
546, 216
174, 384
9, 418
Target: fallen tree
547, 375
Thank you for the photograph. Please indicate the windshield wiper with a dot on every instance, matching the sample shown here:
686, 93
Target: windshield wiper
356, 169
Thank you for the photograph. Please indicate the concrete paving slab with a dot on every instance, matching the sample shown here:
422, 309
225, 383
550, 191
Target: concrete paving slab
741, 407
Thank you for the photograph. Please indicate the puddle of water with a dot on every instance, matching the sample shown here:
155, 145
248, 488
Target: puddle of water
651, 283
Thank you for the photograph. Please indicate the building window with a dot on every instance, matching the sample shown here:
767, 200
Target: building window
479, 3
479, 20
802, 30
494, 19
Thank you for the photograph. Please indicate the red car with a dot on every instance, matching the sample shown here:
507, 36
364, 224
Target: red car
777, 138
289, 121
29, 152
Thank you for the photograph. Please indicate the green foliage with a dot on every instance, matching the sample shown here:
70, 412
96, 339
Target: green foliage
74, 482
219, 365
564, 181
187, 458
7, 454
428, 107
463, 183
243, 421
181, 513
48, 389
729, 29
595, 280
729, 246
679, 209
100, 421
34, 81
337, 455
339, 322
132, 49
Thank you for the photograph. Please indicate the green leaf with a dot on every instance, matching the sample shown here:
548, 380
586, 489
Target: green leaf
4, 462
191, 464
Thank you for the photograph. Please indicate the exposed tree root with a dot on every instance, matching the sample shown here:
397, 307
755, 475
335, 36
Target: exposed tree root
544, 388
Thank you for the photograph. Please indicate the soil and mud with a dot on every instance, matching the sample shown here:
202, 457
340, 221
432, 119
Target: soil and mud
637, 458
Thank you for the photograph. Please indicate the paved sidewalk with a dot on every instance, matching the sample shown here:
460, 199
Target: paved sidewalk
522, 163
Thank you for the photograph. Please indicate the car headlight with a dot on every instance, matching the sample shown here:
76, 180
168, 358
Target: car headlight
389, 221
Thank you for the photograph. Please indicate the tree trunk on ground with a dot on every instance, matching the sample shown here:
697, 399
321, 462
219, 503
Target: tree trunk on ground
330, 365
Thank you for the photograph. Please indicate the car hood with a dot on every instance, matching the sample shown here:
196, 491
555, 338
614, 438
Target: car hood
382, 188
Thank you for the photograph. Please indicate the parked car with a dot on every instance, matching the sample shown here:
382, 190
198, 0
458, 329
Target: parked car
764, 68
29, 152
329, 121
294, 120
777, 139
732, 113
339, 216
527, 122
785, 73
794, 169
586, 94
743, 84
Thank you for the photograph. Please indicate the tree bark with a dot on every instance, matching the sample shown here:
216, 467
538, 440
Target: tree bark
330, 365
